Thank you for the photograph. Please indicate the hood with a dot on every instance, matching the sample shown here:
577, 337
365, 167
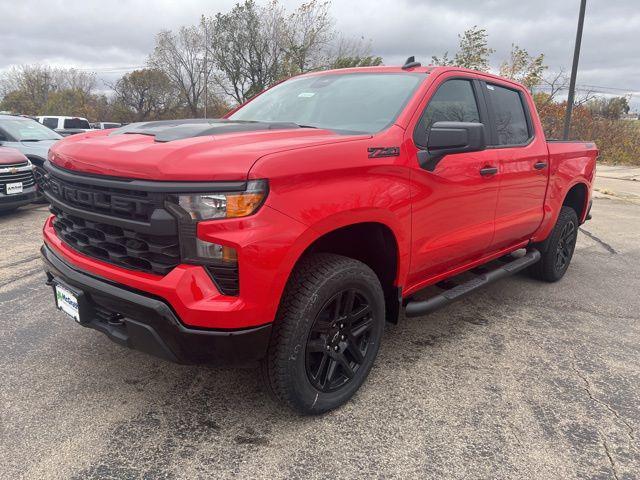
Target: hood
187, 150
35, 149
9, 156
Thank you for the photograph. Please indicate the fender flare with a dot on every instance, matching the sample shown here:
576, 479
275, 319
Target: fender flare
552, 209
332, 223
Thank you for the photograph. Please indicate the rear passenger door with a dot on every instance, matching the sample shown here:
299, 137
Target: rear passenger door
524, 171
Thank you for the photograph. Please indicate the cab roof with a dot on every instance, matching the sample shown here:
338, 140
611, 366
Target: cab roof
427, 70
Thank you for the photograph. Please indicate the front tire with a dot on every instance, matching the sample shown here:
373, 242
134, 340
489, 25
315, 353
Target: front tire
558, 251
39, 175
326, 334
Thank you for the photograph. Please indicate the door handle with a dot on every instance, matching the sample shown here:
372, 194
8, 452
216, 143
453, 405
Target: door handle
540, 165
488, 171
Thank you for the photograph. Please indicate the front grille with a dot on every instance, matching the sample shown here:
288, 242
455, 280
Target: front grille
116, 202
22, 174
113, 244
128, 223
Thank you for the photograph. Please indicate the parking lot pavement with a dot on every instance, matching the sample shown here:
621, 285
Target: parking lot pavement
619, 181
520, 380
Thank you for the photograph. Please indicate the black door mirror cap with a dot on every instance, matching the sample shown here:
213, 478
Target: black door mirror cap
444, 138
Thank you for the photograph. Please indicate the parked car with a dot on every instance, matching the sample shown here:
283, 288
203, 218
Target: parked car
65, 126
289, 231
17, 183
29, 137
105, 125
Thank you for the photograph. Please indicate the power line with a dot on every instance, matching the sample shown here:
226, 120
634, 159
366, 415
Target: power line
588, 89
611, 88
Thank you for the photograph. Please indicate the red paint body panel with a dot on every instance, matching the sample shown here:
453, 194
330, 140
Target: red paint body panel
263, 241
207, 158
10, 156
443, 222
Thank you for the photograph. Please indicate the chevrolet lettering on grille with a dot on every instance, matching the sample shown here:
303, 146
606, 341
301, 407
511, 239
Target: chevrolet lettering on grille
98, 200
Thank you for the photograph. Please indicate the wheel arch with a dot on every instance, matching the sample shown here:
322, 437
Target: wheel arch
577, 198
375, 244
36, 160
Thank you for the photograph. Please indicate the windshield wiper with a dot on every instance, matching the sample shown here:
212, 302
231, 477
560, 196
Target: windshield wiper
36, 139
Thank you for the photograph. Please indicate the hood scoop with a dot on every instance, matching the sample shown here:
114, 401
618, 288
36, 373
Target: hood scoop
170, 130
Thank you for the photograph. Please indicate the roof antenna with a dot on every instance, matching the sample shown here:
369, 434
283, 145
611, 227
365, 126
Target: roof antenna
411, 63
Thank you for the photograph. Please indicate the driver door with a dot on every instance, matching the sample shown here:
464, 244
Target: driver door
454, 200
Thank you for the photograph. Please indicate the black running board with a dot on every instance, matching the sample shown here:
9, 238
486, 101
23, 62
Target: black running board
415, 309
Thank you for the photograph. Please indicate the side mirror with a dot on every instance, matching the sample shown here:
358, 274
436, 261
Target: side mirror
445, 138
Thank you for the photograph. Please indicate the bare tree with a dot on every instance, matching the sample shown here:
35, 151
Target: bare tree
37, 89
351, 52
246, 47
27, 88
552, 85
551, 88
308, 36
73, 79
180, 56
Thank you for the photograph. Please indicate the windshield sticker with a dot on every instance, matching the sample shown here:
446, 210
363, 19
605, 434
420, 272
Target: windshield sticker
306, 95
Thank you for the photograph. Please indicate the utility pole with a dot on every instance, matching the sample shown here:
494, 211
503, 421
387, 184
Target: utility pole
574, 71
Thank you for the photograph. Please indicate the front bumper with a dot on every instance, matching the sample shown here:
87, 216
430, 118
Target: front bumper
8, 202
146, 323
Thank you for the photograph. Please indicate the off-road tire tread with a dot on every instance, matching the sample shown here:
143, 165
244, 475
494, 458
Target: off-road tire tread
544, 270
306, 278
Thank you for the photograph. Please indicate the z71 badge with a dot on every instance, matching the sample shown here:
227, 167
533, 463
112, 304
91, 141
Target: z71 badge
379, 152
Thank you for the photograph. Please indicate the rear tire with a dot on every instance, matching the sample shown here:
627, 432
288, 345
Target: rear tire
558, 249
326, 334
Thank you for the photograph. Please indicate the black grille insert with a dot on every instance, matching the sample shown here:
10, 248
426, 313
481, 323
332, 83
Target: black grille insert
126, 204
113, 244
226, 278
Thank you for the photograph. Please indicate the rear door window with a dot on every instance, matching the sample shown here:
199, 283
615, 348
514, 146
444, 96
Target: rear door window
50, 122
76, 123
510, 116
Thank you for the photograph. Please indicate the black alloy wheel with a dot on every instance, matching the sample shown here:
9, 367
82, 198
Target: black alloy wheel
558, 249
326, 334
338, 341
566, 244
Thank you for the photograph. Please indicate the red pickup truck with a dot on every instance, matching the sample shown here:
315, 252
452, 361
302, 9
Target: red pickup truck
290, 230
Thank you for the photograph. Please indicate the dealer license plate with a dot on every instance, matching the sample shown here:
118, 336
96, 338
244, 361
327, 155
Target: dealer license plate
13, 188
67, 302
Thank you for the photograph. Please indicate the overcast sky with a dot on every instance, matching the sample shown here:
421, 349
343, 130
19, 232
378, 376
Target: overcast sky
111, 37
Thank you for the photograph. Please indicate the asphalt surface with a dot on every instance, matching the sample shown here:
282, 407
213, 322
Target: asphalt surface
520, 380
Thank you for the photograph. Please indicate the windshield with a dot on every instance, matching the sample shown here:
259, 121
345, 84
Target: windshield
346, 103
27, 130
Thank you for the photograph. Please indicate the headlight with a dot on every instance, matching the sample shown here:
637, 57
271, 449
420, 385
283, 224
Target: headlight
210, 206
